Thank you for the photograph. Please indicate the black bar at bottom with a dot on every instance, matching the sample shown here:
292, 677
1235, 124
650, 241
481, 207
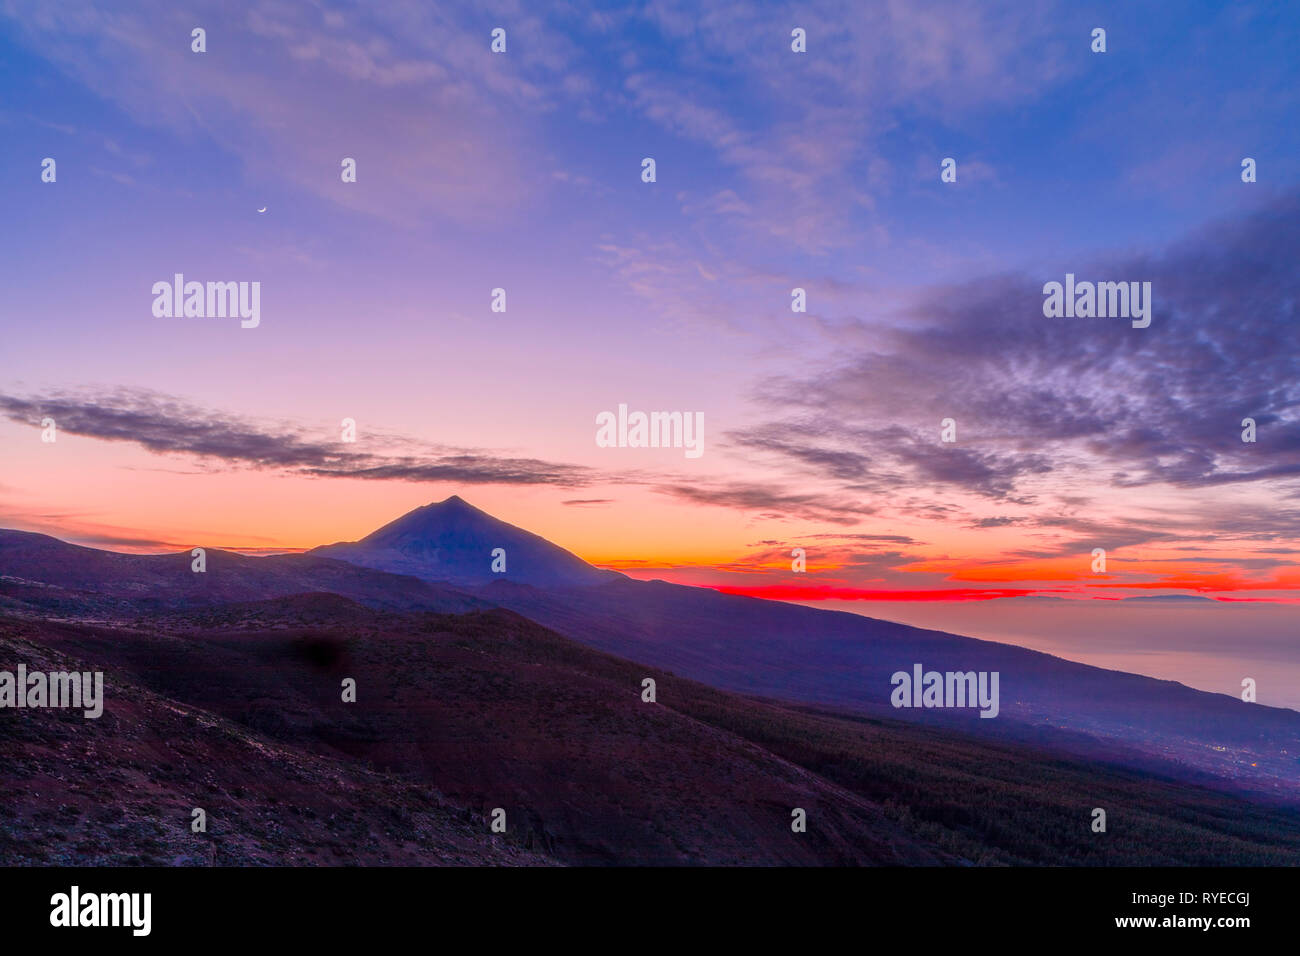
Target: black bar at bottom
331, 906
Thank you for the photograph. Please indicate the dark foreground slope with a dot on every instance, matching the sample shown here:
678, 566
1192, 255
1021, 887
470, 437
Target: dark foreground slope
494, 711
120, 791
491, 710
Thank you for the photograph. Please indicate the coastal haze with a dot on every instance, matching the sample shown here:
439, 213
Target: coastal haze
1203, 643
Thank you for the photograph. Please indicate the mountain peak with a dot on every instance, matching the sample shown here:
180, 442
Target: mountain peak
452, 541
451, 505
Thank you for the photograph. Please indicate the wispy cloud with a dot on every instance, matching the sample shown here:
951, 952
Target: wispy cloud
316, 82
164, 424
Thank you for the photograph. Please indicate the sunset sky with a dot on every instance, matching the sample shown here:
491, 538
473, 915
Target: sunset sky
775, 170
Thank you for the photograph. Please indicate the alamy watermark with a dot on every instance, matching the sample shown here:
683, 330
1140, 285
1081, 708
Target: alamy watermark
198, 300
1102, 300
75, 908
58, 689
652, 430
923, 688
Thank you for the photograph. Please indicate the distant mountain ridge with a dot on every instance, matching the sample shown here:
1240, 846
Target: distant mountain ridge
451, 541
43, 574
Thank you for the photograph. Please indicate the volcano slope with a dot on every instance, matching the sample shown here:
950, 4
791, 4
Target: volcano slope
740, 644
238, 709
121, 790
